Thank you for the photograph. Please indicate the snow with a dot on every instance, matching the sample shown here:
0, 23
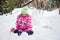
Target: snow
46, 25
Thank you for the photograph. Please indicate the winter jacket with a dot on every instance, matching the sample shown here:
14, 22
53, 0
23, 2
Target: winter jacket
23, 23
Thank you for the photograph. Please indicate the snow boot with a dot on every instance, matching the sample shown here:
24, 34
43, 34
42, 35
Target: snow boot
15, 31
19, 33
30, 32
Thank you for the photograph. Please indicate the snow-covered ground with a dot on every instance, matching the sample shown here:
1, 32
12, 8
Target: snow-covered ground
46, 25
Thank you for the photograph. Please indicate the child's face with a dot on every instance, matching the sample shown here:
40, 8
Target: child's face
24, 14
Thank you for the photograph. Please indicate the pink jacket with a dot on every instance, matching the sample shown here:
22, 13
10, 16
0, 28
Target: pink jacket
23, 23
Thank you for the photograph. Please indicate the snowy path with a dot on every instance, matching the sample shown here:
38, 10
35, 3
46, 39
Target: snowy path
45, 27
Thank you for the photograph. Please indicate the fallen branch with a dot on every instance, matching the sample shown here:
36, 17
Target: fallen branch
27, 3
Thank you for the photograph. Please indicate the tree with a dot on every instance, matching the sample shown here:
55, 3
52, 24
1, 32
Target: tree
0, 5
9, 5
57, 3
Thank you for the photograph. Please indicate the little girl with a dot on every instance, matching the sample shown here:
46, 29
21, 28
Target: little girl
23, 23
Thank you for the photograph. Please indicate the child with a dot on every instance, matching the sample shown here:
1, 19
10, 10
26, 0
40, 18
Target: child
23, 23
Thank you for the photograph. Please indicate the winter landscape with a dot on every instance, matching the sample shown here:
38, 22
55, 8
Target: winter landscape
46, 25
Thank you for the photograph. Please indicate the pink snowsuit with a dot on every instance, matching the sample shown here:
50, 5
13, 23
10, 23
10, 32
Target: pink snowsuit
23, 23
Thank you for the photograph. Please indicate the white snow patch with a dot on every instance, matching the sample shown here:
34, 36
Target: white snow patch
41, 24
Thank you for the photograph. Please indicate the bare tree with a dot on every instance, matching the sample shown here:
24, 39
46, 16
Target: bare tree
59, 11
